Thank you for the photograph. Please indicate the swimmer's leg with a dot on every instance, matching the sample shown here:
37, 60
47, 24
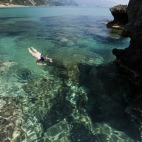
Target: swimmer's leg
35, 50
33, 54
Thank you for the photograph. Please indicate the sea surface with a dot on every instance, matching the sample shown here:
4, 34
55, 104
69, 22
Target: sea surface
81, 96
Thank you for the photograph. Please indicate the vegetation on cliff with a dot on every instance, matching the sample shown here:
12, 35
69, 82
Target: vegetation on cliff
40, 2
25, 2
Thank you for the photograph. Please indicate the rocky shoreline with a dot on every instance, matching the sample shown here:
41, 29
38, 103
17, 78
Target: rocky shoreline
119, 13
130, 59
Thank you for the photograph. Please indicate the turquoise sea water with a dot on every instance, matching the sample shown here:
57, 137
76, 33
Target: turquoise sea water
81, 96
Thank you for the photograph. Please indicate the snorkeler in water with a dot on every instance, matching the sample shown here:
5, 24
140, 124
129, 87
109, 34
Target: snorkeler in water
39, 56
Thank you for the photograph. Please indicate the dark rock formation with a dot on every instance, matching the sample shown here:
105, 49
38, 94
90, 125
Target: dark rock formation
131, 57
119, 13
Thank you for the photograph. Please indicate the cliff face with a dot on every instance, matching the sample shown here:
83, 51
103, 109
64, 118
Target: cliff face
131, 57
119, 13
40, 2
25, 2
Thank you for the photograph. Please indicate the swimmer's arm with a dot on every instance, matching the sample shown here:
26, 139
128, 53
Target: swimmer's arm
40, 64
50, 59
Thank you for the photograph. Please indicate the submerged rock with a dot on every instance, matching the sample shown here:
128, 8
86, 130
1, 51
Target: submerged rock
10, 119
119, 13
24, 74
104, 133
5, 66
70, 57
110, 93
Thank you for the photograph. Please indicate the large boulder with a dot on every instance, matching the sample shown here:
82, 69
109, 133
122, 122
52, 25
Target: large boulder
119, 13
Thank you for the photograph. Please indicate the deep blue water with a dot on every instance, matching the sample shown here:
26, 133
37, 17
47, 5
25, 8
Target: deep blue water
75, 97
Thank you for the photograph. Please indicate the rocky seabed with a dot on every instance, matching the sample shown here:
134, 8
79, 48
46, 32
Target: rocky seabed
59, 108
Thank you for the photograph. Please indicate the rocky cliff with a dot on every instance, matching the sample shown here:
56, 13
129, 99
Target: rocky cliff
131, 57
25, 2
119, 13
39, 2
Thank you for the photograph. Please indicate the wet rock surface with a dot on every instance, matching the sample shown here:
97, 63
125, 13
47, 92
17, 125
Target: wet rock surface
120, 15
130, 59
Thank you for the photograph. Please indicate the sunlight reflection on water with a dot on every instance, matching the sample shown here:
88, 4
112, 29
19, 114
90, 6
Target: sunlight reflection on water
54, 100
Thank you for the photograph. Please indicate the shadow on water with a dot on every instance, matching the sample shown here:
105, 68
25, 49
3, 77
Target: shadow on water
96, 118
111, 93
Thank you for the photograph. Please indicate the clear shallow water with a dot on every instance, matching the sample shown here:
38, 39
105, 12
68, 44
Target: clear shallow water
75, 98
